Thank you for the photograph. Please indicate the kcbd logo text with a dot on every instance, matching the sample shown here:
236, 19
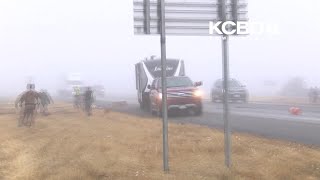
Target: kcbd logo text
242, 28
229, 28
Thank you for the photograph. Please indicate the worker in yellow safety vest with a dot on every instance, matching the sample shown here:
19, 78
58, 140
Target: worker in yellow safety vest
77, 97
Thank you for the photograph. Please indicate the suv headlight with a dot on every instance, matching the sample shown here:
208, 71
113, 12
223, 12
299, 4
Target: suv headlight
198, 93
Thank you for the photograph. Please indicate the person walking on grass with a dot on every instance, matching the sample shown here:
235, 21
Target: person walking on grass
88, 101
45, 100
28, 102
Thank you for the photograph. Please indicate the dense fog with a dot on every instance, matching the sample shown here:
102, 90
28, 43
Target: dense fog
46, 41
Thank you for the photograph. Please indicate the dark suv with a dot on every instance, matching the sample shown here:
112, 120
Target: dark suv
237, 91
183, 94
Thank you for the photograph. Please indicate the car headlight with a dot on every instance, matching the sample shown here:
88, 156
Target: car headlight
198, 93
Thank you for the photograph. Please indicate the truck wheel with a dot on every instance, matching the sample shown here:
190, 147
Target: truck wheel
199, 112
153, 113
245, 101
159, 113
148, 106
141, 105
212, 99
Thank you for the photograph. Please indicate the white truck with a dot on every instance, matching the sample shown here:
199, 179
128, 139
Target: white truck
72, 80
149, 69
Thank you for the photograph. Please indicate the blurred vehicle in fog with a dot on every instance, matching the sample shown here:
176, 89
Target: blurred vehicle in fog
72, 81
99, 91
182, 94
237, 91
314, 94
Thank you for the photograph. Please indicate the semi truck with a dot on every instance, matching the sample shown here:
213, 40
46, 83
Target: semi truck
147, 70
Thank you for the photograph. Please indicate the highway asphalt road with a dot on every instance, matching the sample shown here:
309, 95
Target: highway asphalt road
267, 120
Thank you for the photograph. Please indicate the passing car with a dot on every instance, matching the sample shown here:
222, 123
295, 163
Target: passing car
182, 95
237, 91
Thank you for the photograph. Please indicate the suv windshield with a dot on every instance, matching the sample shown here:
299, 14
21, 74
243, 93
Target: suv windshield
178, 82
232, 83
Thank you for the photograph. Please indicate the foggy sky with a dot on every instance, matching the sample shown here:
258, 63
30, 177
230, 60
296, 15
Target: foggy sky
47, 39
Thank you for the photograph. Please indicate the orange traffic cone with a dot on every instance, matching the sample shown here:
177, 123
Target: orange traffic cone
295, 111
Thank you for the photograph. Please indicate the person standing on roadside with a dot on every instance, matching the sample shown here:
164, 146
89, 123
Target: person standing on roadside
77, 97
88, 100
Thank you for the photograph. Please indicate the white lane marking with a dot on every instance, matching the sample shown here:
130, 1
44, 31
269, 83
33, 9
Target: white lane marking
291, 118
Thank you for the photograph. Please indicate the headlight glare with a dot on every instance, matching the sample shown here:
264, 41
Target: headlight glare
198, 93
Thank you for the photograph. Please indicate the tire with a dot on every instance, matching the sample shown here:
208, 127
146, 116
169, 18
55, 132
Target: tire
152, 112
245, 100
148, 106
159, 113
145, 106
199, 112
141, 105
214, 100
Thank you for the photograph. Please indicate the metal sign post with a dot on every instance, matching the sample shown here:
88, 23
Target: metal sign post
225, 64
227, 128
188, 18
164, 86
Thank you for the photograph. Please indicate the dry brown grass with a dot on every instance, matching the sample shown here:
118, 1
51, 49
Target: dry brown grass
110, 145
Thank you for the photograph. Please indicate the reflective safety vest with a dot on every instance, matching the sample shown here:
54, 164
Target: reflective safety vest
77, 91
